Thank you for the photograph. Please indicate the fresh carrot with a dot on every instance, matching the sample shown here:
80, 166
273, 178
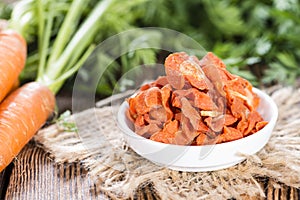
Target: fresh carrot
13, 51
22, 114
25, 110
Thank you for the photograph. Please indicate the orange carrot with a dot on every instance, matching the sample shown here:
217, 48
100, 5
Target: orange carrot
22, 114
13, 51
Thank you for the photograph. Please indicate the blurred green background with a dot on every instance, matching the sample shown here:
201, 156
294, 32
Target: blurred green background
258, 40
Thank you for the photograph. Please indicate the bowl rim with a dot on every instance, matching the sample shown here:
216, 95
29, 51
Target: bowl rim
126, 130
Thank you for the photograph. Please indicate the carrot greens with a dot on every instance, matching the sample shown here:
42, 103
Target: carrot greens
61, 34
61, 57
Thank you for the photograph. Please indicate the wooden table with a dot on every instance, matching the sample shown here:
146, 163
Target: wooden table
34, 175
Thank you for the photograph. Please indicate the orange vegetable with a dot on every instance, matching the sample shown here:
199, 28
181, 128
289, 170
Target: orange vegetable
12, 59
22, 114
198, 102
23, 110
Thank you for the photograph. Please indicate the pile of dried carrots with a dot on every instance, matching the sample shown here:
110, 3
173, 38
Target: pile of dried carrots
197, 102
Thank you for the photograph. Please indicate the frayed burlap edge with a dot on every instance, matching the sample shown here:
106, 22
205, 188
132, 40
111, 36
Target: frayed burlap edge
117, 170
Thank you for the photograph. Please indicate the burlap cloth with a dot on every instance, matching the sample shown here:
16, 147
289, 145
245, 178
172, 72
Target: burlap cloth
118, 171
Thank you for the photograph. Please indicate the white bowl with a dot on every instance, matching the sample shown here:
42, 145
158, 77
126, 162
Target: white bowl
202, 158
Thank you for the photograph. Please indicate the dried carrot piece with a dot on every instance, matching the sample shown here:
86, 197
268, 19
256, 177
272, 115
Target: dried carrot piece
212, 59
201, 100
150, 120
203, 128
260, 125
229, 119
197, 98
131, 110
188, 133
158, 114
215, 123
238, 108
152, 97
242, 126
253, 119
230, 134
148, 130
180, 67
161, 81
139, 121
137, 105
190, 112
165, 99
168, 134
202, 139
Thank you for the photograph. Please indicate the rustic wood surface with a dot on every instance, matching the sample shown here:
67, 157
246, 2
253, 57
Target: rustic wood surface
34, 175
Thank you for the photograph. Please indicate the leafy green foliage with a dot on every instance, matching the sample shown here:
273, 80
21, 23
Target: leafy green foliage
5, 10
258, 40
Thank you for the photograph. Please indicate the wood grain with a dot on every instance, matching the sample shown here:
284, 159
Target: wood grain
4, 177
35, 175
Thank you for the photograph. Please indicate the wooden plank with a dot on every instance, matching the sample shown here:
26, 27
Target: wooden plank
4, 177
280, 191
284, 193
294, 194
2, 184
36, 176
